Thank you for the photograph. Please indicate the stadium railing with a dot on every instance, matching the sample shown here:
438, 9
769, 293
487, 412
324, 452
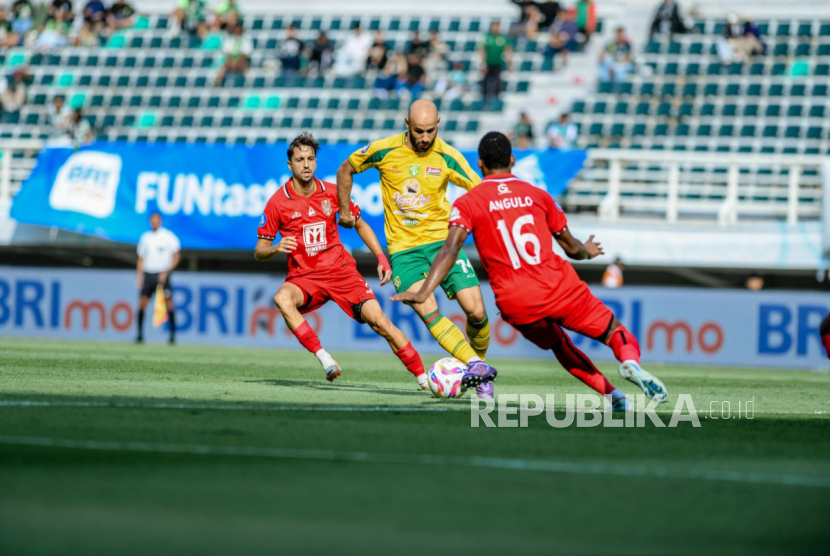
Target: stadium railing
17, 158
683, 186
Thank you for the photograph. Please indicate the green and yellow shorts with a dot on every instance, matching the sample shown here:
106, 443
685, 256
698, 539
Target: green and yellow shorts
412, 265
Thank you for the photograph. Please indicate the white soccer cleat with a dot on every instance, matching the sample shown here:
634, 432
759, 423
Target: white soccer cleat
651, 385
422, 382
332, 371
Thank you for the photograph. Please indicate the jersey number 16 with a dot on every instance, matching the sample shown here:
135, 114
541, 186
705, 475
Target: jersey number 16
517, 246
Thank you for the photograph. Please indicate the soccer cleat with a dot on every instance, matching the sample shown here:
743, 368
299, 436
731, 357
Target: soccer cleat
332, 371
422, 381
139, 340
651, 385
478, 373
621, 405
485, 390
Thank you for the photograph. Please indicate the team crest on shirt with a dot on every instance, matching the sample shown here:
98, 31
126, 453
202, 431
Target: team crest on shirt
433, 171
326, 204
296, 215
414, 169
263, 220
311, 212
503, 189
455, 214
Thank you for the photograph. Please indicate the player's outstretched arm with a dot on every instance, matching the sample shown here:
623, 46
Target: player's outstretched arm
265, 251
345, 180
367, 234
577, 250
441, 266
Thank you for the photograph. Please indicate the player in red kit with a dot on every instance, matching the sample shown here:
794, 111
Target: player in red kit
513, 224
824, 330
304, 213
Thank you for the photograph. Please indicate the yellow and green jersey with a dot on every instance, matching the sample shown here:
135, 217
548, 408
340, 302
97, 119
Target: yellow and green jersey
414, 188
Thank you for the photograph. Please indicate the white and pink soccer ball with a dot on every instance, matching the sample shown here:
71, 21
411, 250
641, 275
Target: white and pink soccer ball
445, 376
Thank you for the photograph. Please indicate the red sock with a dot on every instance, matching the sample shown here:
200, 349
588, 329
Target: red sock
308, 338
625, 345
825, 341
578, 364
411, 360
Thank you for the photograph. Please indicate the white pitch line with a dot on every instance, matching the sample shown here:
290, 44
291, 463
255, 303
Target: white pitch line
333, 408
587, 468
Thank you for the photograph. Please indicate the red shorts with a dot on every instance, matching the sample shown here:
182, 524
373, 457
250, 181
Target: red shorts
344, 286
575, 308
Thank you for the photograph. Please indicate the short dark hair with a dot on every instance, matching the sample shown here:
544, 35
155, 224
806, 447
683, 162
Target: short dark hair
494, 150
305, 139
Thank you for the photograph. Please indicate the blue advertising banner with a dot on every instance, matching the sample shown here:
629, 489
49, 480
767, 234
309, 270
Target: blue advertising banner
674, 325
211, 196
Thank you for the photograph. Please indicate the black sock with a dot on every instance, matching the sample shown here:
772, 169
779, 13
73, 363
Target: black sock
171, 320
141, 323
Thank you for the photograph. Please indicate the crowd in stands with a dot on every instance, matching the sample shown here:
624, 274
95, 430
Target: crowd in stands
561, 29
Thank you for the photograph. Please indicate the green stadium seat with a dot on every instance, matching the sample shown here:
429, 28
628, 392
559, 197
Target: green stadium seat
794, 111
690, 90
729, 110
661, 130
733, 89
824, 30
814, 132
85, 81
753, 90
778, 69
735, 68
776, 90
696, 49
307, 123
664, 109
704, 130
174, 101
621, 108
819, 90
647, 89
167, 121
668, 89
682, 130
654, 47
639, 130
726, 131
65, 80
368, 123
600, 107
756, 68
353, 104
770, 131
595, 129
781, 49
711, 90
333, 104
783, 30
792, 132
686, 109
578, 107
452, 125
803, 49
817, 111
707, 110
822, 69
748, 131
823, 49
617, 130
693, 68
135, 101
750, 110
772, 111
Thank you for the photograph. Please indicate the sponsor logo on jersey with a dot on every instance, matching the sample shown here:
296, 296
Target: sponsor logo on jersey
296, 215
314, 237
263, 220
409, 222
455, 214
87, 183
433, 171
414, 169
503, 189
311, 212
411, 198
365, 149
394, 170
397, 281
326, 204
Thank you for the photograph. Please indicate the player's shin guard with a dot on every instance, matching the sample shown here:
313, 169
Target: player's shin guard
578, 364
449, 336
625, 345
308, 338
479, 335
411, 360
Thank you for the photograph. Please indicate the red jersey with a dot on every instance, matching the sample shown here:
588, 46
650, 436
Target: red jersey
513, 224
312, 221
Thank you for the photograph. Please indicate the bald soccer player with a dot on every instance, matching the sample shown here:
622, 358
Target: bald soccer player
415, 168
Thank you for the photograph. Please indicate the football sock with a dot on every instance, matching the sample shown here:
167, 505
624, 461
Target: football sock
411, 360
578, 364
141, 323
308, 338
449, 336
478, 334
625, 345
171, 321
824, 330
825, 341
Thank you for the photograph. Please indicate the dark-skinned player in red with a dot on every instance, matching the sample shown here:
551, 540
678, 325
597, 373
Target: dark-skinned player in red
304, 212
514, 224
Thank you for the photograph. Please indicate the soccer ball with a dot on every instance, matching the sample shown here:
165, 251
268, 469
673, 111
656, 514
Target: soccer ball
445, 376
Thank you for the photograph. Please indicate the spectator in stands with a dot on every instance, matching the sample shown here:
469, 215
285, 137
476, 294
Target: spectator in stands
320, 54
22, 16
613, 275
523, 132
615, 62
453, 84
222, 15
13, 89
290, 52
121, 16
667, 21
378, 53
549, 10
563, 38
78, 129
387, 78
418, 46
586, 19
237, 49
59, 7
8, 36
528, 27
190, 16
562, 134
55, 32
87, 37
496, 53
350, 57
413, 81
740, 40
57, 116
94, 13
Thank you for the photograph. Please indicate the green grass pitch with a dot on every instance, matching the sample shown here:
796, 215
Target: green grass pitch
123, 449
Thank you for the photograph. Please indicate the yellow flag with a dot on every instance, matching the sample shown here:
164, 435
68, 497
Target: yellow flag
159, 308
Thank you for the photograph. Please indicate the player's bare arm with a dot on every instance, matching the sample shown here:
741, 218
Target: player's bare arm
441, 266
264, 249
577, 250
367, 234
345, 180
177, 257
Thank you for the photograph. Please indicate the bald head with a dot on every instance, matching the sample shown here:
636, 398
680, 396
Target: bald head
422, 124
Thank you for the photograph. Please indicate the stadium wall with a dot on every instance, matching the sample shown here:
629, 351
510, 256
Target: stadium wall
674, 325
